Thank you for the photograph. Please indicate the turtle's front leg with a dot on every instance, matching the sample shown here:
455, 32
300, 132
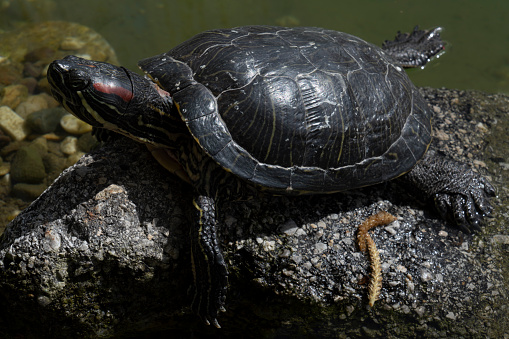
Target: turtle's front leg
209, 268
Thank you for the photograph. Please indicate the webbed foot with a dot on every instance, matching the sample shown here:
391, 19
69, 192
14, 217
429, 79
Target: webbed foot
415, 49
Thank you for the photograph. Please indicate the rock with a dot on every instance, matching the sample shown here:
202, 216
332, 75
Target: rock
73, 158
30, 83
43, 54
73, 125
45, 40
40, 144
86, 142
69, 145
32, 70
5, 168
72, 43
104, 252
27, 166
12, 124
45, 121
28, 192
33, 104
13, 95
4, 139
9, 74
54, 165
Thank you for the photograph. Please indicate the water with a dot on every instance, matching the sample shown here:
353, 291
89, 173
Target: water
478, 33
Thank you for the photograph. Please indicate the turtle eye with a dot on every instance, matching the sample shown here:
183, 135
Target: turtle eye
78, 83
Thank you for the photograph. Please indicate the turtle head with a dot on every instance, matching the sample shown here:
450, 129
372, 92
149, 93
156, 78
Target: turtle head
94, 92
112, 97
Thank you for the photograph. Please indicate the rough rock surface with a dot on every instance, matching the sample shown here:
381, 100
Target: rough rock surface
105, 252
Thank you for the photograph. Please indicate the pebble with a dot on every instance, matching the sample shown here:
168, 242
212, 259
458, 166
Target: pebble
27, 191
482, 128
441, 135
8, 75
4, 169
73, 158
72, 43
27, 166
320, 247
34, 103
45, 121
13, 95
289, 227
391, 230
73, 125
40, 144
69, 145
43, 300
451, 315
402, 269
500, 239
12, 124
426, 275
86, 142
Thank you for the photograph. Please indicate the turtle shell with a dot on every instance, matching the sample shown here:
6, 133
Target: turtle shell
306, 110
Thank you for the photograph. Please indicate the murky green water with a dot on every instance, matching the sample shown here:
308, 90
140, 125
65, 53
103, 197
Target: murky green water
478, 32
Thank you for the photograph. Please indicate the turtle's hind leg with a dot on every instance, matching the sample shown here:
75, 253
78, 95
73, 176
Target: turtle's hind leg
459, 193
415, 49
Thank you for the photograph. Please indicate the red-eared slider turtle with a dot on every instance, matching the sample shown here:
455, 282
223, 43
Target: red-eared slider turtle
289, 110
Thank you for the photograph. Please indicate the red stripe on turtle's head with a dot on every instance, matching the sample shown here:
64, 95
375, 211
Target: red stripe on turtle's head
115, 89
95, 92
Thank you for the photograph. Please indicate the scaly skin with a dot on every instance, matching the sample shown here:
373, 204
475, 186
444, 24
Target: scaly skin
460, 194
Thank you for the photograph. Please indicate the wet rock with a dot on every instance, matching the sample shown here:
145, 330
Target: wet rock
54, 165
12, 124
46, 39
40, 55
72, 43
13, 95
41, 145
69, 145
73, 158
30, 83
32, 70
9, 74
45, 121
35, 103
28, 191
86, 142
27, 166
73, 125
5, 168
4, 139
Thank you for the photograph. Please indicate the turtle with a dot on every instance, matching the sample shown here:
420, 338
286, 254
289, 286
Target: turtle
289, 111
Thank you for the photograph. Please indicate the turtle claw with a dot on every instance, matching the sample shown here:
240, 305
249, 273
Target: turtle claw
212, 321
466, 202
215, 323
